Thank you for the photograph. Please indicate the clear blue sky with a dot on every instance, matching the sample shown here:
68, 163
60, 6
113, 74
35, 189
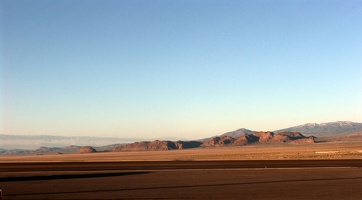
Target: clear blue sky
182, 69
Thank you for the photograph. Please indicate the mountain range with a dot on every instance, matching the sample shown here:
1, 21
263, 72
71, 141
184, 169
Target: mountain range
254, 138
297, 134
330, 129
339, 128
35, 141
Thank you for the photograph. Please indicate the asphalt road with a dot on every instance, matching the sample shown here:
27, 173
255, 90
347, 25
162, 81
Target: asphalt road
167, 165
279, 179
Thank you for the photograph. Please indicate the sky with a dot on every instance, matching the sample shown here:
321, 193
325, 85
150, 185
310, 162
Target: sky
184, 69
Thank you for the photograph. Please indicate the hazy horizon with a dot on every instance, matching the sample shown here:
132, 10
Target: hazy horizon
182, 69
170, 137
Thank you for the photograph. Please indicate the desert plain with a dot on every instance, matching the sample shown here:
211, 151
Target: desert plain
330, 170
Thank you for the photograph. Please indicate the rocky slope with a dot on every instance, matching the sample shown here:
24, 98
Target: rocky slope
158, 145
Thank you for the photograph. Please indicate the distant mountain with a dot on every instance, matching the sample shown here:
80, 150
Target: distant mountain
11, 142
59, 150
43, 151
56, 150
234, 134
238, 133
338, 128
17, 152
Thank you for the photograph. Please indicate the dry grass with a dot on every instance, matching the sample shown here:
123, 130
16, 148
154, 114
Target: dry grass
258, 152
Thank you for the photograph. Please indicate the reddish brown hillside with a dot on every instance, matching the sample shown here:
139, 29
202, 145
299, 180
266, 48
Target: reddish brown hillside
219, 141
264, 136
158, 145
245, 140
255, 138
260, 137
145, 145
86, 149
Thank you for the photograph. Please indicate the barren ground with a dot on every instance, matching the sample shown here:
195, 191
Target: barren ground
327, 150
315, 171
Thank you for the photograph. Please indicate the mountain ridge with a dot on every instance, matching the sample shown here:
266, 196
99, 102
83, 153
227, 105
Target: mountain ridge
338, 128
241, 136
328, 129
218, 141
